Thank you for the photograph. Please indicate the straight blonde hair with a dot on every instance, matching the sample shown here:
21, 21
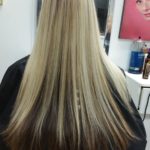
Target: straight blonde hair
68, 95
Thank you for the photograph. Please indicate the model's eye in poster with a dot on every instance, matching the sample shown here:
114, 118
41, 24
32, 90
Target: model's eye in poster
135, 20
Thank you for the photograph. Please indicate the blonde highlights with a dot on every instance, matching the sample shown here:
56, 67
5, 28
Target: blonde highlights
67, 97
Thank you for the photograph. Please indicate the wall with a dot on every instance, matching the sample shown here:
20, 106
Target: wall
119, 49
17, 28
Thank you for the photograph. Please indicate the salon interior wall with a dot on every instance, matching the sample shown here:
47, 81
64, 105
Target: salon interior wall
119, 51
17, 28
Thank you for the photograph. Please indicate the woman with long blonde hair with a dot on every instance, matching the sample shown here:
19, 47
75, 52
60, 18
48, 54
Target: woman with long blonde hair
71, 96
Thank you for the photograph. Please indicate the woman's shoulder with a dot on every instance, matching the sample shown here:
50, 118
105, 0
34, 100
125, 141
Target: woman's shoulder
19, 64
15, 70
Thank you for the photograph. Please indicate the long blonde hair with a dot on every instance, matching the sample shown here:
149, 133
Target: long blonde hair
67, 97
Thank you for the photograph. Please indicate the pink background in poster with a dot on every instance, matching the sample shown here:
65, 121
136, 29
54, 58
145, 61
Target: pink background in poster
133, 24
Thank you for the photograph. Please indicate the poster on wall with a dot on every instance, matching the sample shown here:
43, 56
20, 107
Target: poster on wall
135, 22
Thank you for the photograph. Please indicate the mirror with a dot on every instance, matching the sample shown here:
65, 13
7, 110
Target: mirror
39, 3
102, 12
105, 9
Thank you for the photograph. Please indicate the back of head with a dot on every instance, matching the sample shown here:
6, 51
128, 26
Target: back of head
67, 96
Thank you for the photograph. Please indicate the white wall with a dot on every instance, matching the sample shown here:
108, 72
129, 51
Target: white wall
17, 24
119, 49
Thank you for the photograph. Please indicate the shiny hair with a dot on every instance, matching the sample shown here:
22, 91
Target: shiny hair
68, 95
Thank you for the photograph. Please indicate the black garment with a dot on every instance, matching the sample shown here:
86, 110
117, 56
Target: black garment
9, 89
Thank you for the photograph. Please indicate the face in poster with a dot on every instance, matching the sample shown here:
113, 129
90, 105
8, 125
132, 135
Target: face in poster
135, 22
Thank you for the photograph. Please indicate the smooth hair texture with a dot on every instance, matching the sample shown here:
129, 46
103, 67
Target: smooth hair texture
67, 98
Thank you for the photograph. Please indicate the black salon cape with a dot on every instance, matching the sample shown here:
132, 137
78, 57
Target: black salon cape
8, 92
